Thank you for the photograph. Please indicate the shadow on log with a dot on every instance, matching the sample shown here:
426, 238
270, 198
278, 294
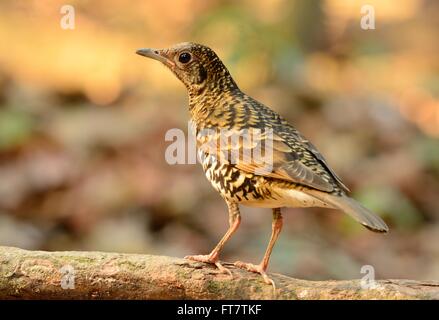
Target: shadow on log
99, 275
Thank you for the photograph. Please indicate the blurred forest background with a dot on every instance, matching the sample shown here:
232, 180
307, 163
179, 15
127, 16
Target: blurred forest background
83, 119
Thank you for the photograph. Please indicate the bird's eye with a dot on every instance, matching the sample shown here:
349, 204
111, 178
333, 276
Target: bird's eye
184, 57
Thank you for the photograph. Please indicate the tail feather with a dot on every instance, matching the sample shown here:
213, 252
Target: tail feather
348, 205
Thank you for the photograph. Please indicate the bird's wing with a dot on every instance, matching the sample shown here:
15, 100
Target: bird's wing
258, 140
309, 154
267, 154
324, 163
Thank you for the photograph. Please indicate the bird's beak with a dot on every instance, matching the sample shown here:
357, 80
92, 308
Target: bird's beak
156, 55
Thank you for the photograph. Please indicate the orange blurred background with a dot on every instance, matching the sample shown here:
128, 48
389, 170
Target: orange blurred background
83, 119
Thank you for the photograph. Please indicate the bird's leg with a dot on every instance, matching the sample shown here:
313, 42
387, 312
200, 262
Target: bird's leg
261, 268
212, 257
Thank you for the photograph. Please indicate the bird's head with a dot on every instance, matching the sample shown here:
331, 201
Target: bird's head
197, 66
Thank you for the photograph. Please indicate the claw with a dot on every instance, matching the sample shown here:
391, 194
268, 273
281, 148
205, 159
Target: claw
257, 269
212, 260
223, 269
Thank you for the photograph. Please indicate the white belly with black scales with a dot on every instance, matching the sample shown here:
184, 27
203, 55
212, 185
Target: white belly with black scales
255, 191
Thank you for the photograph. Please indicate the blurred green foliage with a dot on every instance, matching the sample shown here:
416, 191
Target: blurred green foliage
15, 128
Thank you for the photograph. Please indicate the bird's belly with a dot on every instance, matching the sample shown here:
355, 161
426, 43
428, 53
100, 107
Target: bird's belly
253, 190
234, 184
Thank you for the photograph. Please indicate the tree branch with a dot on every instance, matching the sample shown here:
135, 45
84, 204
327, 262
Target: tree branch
98, 275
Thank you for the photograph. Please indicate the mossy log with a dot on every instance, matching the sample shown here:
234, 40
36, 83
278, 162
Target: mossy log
100, 275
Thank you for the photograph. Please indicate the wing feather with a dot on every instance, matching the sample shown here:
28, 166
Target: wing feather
258, 152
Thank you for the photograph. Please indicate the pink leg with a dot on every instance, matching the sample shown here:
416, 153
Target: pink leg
262, 267
213, 256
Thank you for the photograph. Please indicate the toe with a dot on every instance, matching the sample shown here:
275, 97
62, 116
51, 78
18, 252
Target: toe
268, 280
247, 266
257, 269
209, 259
223, 269
199, 258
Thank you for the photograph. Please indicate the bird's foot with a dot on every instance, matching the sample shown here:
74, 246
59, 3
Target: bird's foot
210, 258
257, 268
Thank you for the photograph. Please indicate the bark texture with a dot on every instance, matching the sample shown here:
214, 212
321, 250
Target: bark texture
100, 275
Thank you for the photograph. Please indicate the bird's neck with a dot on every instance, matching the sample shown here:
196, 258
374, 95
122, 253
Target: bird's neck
203, 100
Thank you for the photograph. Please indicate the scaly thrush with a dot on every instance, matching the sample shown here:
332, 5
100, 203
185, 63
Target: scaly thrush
227, 121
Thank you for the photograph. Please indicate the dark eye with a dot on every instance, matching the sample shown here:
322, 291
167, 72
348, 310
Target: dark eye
184, 57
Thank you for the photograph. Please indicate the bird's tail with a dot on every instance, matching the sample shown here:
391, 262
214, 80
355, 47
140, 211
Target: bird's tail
348, 205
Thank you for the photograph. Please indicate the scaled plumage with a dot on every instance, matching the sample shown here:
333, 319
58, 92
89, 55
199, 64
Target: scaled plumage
295, 174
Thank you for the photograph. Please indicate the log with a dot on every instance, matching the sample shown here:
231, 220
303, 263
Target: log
100, 275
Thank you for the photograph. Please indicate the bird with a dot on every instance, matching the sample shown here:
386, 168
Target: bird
250, 154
